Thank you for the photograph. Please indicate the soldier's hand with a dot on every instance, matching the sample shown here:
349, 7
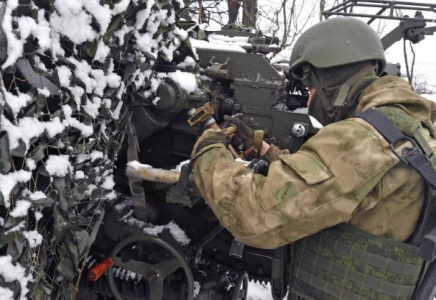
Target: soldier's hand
245, 133
210, 137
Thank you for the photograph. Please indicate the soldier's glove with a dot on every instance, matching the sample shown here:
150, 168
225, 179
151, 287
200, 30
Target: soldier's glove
250, 137
210, 139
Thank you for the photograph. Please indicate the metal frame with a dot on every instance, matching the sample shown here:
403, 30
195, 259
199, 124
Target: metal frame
346, 8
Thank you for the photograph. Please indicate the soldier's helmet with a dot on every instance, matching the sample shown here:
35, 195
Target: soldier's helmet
337, 42
333, 56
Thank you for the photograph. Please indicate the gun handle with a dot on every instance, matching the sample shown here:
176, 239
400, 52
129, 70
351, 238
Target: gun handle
214, 126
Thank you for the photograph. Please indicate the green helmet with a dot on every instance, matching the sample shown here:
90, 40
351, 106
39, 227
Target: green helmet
337, 42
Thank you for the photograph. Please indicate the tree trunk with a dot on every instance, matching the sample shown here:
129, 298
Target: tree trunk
249, 13
233, 10
321, 8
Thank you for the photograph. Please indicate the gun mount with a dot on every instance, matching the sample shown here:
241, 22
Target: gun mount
410, 28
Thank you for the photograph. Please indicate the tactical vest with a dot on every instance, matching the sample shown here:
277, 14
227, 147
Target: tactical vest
344, 262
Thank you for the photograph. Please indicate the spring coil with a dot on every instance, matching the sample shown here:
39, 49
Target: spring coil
130, 285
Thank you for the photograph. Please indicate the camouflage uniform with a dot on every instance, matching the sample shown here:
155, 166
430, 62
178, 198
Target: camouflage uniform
345, 201
346, 173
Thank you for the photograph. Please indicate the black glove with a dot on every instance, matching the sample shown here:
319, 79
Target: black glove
245, 133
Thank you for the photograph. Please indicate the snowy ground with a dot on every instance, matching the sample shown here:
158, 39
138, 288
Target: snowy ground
257, 291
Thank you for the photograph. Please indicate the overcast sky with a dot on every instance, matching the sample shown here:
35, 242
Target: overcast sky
425, 53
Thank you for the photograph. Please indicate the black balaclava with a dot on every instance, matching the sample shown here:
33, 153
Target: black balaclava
338, 89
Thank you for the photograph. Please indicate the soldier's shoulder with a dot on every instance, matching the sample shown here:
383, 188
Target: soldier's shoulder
347, 135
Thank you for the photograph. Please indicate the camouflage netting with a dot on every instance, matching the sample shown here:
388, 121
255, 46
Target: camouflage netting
68, 77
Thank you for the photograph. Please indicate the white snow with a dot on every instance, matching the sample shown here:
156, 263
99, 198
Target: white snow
70, 12
58, 165
181, 33
96, 155
135, 164
188, 62
31, 164
143, 15
178, 234
315, 123
155, 82
8, 182
26, 129
216, 45
16, 228
205, 78
101, 13
111, 196
228, 40
11, 273
102, 52
64, 74
69, 121
117, 111
156, 100
20, 209
39, 64
16, 103
40, 30
6, 294
108, 183
95, 80
85, 129
123, 204
33, 237
282, 56
77, 93
92, 107
44, 91
37, 195
15, 45
38, 215
120, 33
186, 80
107, 103
53, 127
120, 7
113, 80
90, 189
245, 162
259, 291
181, 164
79, 175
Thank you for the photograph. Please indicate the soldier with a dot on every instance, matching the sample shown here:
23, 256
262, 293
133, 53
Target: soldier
346, 202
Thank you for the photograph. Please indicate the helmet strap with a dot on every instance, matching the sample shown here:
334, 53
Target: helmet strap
340, 104
322, 96
346, 86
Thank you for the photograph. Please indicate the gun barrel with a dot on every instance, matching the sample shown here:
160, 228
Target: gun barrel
144, 172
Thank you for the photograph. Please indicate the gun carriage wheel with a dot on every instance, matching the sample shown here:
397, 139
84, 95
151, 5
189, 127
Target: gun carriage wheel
239, 291
154, 273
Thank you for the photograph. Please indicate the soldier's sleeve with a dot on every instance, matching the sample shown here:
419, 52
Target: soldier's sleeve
323, 184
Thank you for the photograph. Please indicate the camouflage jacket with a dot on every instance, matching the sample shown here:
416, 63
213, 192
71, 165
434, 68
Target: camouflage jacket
345, 173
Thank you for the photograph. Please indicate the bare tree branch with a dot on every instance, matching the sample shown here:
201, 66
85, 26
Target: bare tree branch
412, 69
200, 11
322, 4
